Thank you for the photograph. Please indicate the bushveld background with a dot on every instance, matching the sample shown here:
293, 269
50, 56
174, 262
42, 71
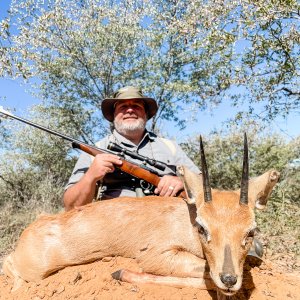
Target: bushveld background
191, 56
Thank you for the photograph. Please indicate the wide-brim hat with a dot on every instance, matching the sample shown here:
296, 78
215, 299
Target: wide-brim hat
126, 93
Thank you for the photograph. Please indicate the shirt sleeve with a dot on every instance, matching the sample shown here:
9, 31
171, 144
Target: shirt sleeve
171, 153
83, 163
182, 159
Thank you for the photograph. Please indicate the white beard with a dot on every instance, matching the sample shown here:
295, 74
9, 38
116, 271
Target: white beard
130, 127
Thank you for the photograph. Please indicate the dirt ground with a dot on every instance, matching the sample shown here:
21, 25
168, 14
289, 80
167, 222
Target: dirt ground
94, 281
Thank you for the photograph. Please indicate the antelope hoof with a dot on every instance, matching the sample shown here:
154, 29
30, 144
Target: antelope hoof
117, 275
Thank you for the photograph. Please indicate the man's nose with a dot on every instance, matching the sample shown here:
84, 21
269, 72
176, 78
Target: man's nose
129, 109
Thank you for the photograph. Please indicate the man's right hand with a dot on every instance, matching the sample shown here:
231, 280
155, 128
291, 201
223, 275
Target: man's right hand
83, 191
103, 164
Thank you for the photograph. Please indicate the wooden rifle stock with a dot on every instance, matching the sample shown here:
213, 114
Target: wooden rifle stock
127, 167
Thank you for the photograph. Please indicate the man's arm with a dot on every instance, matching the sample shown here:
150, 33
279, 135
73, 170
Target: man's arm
83, 191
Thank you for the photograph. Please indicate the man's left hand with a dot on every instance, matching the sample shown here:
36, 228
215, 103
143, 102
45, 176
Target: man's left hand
169, 186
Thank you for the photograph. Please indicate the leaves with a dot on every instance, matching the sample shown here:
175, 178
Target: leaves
188, 55
267, 150
179, 52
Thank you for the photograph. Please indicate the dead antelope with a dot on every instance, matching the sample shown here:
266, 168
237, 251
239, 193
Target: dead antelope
201, 242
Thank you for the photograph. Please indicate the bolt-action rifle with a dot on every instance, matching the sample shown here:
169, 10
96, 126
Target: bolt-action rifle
149, 177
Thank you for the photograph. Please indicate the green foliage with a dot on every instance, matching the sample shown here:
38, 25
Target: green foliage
224, 154
183, 52
31, 157
20, 204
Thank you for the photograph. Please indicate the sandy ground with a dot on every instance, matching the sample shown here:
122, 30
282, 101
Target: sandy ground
94, 281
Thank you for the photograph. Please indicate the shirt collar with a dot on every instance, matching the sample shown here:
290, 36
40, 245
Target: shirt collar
121, 139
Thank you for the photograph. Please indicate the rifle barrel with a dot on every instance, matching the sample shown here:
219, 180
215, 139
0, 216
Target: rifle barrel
8, 114
127, 167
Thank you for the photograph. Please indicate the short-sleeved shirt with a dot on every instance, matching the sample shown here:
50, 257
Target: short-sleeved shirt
118, 183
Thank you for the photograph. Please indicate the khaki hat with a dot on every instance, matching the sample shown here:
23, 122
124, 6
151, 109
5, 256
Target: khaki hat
126, 93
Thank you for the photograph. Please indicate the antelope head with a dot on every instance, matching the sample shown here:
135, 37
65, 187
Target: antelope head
225, 222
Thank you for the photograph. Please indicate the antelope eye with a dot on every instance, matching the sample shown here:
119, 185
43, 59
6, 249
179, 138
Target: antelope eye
202, 231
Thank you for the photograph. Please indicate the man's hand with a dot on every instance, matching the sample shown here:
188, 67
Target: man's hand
169, 186
84, 190
103, 164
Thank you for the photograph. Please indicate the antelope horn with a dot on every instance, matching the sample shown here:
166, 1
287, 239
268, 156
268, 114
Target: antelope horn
206, 185
245, 174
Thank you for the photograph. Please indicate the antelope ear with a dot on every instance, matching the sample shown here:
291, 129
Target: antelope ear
192, 184
260, 188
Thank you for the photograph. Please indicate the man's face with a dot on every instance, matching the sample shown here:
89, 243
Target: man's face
129, 116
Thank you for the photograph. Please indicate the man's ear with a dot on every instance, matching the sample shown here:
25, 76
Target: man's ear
260, 188
192, 182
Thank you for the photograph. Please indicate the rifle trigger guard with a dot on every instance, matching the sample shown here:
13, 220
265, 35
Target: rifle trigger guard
146, 186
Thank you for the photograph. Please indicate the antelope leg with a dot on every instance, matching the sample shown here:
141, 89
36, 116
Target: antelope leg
134, 277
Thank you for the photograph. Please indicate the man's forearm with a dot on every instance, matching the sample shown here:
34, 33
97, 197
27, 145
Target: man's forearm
80, 193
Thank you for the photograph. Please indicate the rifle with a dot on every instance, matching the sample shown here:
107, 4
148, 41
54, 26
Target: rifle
147, 175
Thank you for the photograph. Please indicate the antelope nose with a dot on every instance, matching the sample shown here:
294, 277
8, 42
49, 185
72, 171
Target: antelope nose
228, 279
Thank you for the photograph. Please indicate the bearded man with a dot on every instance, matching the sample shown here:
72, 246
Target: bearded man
98, 178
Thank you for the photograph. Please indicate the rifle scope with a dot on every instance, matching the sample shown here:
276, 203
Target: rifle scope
152, 162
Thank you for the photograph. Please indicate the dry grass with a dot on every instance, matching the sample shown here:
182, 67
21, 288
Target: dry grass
16, 215
280, 233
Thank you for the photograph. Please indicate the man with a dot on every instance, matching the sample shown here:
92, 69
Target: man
129, 111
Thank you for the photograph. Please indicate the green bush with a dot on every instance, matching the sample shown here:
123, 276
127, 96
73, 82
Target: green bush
20, 207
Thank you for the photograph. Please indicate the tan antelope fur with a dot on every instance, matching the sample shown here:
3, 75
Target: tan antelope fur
182, 243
